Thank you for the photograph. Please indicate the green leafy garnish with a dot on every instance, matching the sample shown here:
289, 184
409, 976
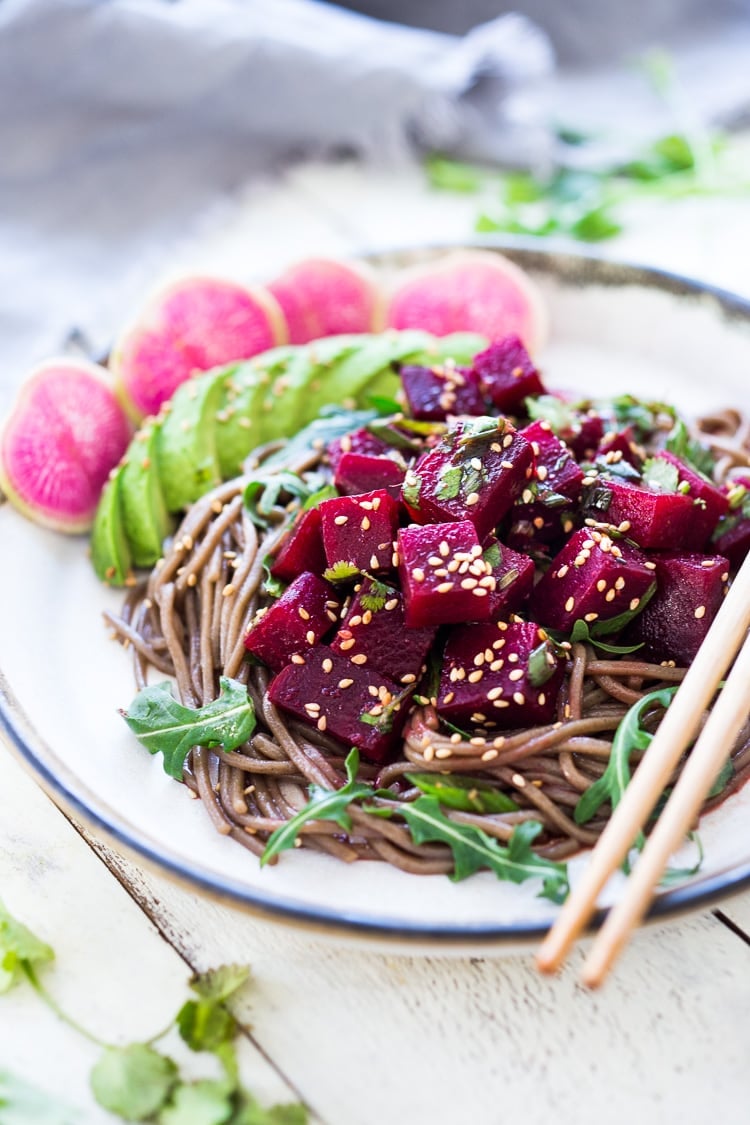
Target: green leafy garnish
660, 475
274, 587
20, 950
452, 175
629, 737
449, 485
383, 715
134, 1081
24, 1104
341, 571
315, 499
493, 555
324, 804
263, 491
376, 596
411, 489
473, 849
463, 793
385, 406
581, 633
548, 408
674, 875
693, 452
163, 725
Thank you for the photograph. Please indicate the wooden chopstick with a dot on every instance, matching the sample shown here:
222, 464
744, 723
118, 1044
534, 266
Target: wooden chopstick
675, 731
706, 759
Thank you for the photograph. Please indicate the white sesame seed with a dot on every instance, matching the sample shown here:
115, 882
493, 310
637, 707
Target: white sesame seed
297, 659
360, 658
340, 520
516, 674
303, 613
569, 604
634, 603
519, 698
590, 616
417, 574
471, 499
700, 612
345, 683
444, 587
310, 637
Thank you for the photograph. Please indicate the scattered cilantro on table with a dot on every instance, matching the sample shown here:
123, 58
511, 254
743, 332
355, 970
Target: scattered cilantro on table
137, 1081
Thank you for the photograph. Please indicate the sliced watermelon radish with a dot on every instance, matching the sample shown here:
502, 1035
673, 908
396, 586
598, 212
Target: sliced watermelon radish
64, 436
194, 325
469, 291
323, 297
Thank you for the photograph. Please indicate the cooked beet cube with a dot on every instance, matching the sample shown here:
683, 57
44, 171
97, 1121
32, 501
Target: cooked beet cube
584, 435
537, 529
732, 537
352, 702
358, 441
652, 519
507, 373
474, 473
443, 575
304, 613
593, 578
302, 548
620, 445
489, 678
709, 502
365, 472
554, 466
690, 589
375, 628
432, 393
360, 529
514, 579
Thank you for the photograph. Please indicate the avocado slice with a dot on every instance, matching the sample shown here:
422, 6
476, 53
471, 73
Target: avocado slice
186, 454
110, 551
144, 511
239, 417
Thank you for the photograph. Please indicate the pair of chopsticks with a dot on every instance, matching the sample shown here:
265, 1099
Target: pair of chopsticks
675, 732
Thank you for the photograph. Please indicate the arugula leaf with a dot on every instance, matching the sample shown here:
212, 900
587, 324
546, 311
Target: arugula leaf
24, 1104
674, 875
341, 571
629, 736
473, 849
315, 499
19, 949
463, 793
134, 1081
163, 725
660, 475
581, 632
693, 452
324, 804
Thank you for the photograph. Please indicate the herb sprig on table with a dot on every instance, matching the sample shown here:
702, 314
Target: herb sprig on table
138, 1082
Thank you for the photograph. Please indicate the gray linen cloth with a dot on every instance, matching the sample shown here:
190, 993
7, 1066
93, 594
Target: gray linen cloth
122, 120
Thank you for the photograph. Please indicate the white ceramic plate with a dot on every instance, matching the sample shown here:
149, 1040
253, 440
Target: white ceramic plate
614, 328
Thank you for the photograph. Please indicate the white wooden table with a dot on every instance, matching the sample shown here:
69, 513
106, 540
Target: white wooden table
363, 1038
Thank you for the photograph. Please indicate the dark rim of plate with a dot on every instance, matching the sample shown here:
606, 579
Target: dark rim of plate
584, 269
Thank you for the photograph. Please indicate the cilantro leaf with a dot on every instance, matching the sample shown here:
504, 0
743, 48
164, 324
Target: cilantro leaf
693, 452
19, 948
24, 1104
548, 408
219, 984
134, 1081
411, 489
341, 571
207, 1102
463, 793
274, 587
449, 485
629, 736
163, 725
205, 1024
324, 804
660, 475
376, 596
473, 849
251, 1113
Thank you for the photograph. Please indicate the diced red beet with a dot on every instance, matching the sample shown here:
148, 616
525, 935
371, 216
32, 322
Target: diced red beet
514, 579
709, 502
554, 466
432, 393
584, 437
302, 549
331, 693
486, 680
650, 518
360, 529
443, 576
620, 445
593, 578
507, 373
358, 441
381, 635
537, 529
732, 538
474, 473
364, 472
304, 613
690, 591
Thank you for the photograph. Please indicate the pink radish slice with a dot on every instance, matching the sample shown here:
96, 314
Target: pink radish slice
65, 434
194, 325
470, 291
322, 297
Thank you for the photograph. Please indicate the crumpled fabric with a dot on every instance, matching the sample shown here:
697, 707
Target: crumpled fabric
121, 121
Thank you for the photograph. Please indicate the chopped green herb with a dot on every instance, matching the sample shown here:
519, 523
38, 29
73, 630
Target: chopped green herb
463, 793
660, 475
548, 408
693, 452
376, 596
449, 486
134, 1081
341, 571
411, 489
20, 950
385, 714
541, 667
